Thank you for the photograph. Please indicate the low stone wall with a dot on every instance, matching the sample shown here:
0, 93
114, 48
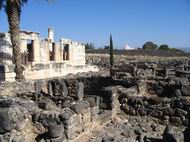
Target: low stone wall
44, 70
166, 110
70, 123
7, 73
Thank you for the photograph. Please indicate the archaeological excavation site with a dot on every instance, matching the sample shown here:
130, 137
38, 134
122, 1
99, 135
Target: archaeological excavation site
94, 71
147, 99
70, 95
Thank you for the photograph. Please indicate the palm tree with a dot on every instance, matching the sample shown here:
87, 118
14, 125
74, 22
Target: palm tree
13, 10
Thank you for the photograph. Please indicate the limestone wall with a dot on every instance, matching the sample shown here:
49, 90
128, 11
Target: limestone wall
44, 70
5, 48
5, 43
77, 54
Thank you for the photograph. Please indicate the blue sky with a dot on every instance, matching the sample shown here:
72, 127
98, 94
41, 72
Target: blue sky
130, 21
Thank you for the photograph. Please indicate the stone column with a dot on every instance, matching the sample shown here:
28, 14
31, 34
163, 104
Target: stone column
71, 50
51, 34
47, 47
60, 50
56, 52
36, 50
50, 49
23, 45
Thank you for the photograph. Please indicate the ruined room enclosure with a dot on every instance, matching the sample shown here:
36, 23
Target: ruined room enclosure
58, 110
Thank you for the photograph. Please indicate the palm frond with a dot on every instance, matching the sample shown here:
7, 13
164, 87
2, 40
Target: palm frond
2, 4
23, 2
19, 2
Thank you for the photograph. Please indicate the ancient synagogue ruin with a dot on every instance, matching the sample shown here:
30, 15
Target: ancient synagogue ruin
43, 58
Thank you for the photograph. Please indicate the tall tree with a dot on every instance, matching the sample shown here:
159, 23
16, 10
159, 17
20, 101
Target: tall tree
13, 10
111, 56
111, 51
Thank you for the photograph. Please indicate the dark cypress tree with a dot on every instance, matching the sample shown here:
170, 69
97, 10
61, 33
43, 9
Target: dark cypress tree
111, 52
111, 57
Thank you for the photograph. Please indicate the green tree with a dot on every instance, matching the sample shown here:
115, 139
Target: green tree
111, 52
173, 49
92, 46
89, 46
164, 47
13, 10
106, 47
176, 50
150, 46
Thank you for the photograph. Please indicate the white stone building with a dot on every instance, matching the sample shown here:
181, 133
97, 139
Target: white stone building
43, 58
127, 47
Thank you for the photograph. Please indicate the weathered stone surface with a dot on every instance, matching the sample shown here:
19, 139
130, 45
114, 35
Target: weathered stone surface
95, 118
55, 130
170, 136
168, 111
86, 117
62, 138
80, 107
46, 118
91, 100
80, 91
175, 120
107, 139
181, 112
142, 111
46, 104
10, 118
95, 110
185, 90
70, 118
63, 88
105, 116
30, 106
132, 111
73, 131
39, 86
18, 139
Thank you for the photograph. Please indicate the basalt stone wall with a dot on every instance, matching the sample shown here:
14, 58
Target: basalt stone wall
93, 86
176, 87
167, 110
168, 100
68, 124
77, 89
57, 110
14, 88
